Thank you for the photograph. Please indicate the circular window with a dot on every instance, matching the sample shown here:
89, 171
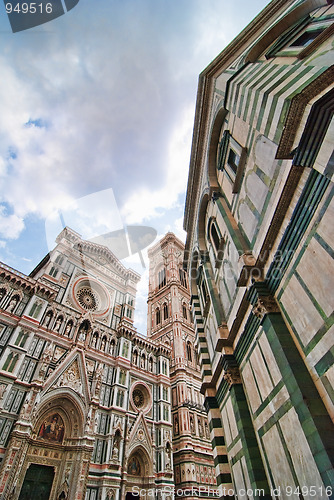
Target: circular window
88, 299
90, 295
140, 396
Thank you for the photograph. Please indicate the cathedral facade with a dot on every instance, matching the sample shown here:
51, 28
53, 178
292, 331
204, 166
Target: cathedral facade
85, 401
259, 252
170, 321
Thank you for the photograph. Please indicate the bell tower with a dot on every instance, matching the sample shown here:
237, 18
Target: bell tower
170, 320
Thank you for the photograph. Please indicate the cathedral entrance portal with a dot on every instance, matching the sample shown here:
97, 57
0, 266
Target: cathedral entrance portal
131, 496
37, 483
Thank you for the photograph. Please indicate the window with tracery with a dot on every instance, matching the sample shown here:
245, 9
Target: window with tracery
162, 278
165, 308
189, 353
157, 316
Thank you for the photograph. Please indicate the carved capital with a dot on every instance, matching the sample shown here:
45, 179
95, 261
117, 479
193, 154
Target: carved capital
265, 305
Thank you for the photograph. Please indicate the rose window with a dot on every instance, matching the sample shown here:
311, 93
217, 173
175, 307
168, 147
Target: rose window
88, 299
88, 294
141, 397
138, 398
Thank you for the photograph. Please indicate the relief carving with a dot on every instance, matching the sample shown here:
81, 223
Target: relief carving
265, 305
232, 376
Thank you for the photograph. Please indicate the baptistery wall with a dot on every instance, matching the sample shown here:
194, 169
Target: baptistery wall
259, 251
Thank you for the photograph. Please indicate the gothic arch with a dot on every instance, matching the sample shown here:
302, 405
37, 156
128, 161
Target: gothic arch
202, 221
70, 407
139, 455
213, 147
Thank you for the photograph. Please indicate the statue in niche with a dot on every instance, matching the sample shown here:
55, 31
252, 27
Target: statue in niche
176, 425
168, 456
2, 390
115, 453
82, 332
112, 347
13, 303
68, 328
192, 427
200, 428
58, 323
94, 342
47, 319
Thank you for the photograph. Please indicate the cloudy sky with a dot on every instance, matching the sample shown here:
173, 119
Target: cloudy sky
103, 99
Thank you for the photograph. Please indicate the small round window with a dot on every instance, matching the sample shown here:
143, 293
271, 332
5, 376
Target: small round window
141, 398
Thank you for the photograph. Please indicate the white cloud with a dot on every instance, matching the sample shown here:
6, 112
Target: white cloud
146, 203
10, 225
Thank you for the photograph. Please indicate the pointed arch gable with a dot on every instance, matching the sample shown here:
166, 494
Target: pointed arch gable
77, 360
140, 436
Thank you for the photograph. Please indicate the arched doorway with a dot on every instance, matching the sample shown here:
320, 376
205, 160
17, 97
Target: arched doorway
37, 482
131, 496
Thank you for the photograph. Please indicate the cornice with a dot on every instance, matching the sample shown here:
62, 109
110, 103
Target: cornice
27, 283
94, 249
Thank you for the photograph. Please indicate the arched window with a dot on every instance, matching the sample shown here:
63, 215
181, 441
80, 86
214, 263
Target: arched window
53, 272
162, 278
157, 316
36, 309
183, 277
214, 236
165, 307
10, 362
59, 259
189, 355
184, 311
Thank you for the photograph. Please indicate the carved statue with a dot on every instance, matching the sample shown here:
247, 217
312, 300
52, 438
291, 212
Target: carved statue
58, 324
12, 304
68, 328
